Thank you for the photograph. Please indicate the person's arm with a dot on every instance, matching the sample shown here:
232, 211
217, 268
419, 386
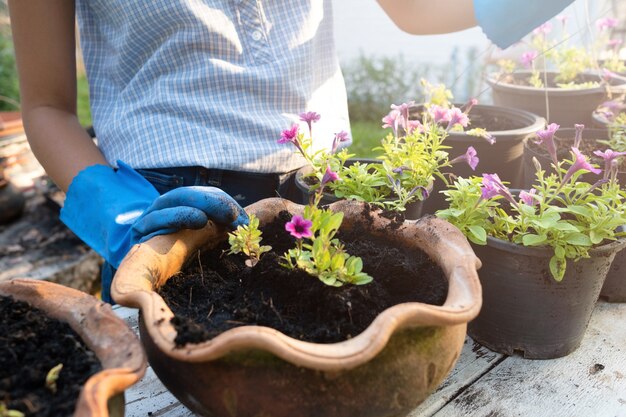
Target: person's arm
503, 21
430, 17
43, 35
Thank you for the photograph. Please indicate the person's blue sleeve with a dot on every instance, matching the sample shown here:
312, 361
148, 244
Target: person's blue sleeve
111, 210
507, 21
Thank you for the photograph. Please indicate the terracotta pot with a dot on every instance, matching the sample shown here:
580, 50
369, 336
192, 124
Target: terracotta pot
108, 336
503, 157
525, 310
413, 210
10, 123
567, 106
249, 371
614, 289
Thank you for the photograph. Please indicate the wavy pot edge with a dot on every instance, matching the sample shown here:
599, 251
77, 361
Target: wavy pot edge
147, 265
114, 343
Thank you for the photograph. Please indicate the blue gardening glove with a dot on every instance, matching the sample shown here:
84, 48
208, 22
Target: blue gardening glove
113, 210
507, 21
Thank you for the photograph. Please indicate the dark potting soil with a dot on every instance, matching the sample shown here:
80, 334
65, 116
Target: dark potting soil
219, 292
493, 122
31, 344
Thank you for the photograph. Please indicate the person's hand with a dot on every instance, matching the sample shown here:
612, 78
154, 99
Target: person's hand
507, 21
113, 210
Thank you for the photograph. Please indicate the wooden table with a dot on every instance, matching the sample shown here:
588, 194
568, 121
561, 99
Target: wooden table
589, 382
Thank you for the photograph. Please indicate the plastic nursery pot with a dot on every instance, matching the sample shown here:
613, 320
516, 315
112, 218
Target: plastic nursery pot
614, 289
601, 122
413, 210
510, 127
567, 106
116, 346
250, 371
525, 310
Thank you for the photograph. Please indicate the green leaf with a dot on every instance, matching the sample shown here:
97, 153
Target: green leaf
578, 239
533, 240
478, 233
557, 268
565, 226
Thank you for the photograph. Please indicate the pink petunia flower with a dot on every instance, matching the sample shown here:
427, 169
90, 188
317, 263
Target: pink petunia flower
329, 176
606, 23
470, 156
392, 120
470, 105
543, 29
404, 111
580, 163
492, 186
546, 138
289, 135
439, 114
457, 117
414, 125
528, 58
339, 138
609, 157
529, 197
614, 43
579, 134
310, 117
299, 227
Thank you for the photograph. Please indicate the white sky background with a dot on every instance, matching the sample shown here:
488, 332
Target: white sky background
362, 26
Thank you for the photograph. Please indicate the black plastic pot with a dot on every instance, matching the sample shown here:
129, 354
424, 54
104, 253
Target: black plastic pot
614, 289
413, 210
567, 106
503, 157
525, 311
601, 122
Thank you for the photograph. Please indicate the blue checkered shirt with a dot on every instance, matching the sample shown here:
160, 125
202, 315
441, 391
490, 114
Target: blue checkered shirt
210, 82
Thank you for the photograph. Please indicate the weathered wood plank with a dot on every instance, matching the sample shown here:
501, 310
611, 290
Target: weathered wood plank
475, 361
589, 382
150, 398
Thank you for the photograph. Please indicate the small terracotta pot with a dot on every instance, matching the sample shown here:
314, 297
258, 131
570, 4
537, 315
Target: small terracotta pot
249, 371
525, 310
567, 106
120, 353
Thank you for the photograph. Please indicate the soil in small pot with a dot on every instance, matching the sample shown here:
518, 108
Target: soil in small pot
31, 344
218, 292
494, 122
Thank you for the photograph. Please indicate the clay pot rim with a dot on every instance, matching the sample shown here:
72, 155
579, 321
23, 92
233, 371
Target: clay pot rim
494, 80
462, 304
114, 343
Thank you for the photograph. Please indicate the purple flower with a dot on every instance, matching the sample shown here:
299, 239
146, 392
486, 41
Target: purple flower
579, 134
546, 138
606, 23
424, 192
400, 170
609, 156
613, 105
469, 105
310, 117
528, 58
414, 125
329, 176
339, 138
289, 135
470, 156
299, 227
607, 75
580, 162
543, 29
529, 197
489, 138
492, 186
457, 117
439, 114
392, 120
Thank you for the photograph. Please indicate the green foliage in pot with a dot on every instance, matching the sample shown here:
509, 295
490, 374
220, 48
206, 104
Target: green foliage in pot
560, 212
9, 86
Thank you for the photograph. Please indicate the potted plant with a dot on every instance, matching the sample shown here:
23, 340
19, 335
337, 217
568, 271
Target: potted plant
412, 159
545, 251
385, 365
614, 142
33, 309
611, 115
564, 88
